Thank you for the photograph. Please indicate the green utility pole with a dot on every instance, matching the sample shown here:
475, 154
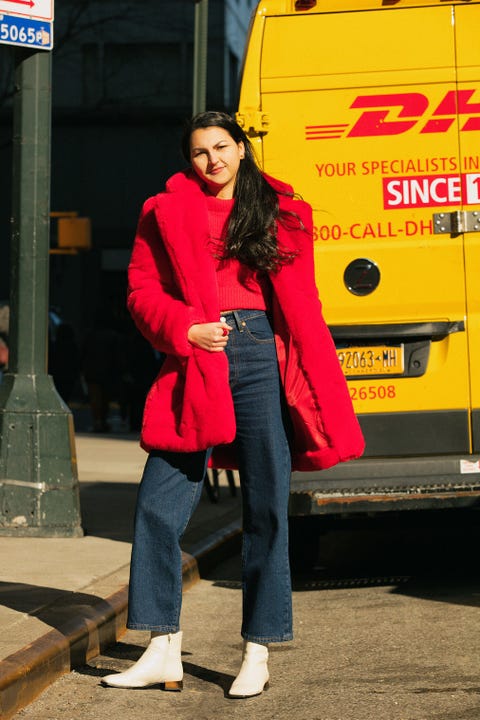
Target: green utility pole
38, 470
200, 48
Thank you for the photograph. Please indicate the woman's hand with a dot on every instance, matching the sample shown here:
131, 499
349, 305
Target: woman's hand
209, 336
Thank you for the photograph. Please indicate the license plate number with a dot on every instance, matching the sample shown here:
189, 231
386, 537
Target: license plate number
371, 360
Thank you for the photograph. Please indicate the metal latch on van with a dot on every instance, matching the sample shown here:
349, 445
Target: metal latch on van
253, 121
457, 222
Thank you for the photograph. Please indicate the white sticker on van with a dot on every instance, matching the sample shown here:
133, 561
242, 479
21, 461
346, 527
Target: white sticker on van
469, 466
430, 190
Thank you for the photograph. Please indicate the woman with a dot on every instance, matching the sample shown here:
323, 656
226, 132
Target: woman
221, 280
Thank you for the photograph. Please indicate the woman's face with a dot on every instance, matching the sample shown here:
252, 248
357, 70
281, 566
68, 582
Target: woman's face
215, 157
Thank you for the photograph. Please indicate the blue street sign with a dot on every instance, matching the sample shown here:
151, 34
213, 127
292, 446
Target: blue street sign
25, 31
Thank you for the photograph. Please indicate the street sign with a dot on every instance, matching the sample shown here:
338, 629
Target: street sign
28, 23
41, 9
27, 32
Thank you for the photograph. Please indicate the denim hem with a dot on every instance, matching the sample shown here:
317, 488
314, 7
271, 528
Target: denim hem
270, 639
153, 628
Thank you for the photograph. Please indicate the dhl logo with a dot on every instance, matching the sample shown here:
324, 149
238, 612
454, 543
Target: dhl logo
396, 113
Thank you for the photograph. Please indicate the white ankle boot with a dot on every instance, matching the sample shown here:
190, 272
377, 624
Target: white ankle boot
253, 676
160, 664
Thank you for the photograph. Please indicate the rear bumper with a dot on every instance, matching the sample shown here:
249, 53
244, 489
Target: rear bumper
386, 484
416, 434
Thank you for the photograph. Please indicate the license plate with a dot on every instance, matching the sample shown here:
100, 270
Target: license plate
371, 360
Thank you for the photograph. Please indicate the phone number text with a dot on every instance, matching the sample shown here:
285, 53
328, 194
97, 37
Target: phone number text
362, 231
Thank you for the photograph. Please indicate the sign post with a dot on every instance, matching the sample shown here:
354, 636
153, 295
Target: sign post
200, 48
38, 472
27, 23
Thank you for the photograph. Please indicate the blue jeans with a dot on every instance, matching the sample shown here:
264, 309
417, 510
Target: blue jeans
172, 484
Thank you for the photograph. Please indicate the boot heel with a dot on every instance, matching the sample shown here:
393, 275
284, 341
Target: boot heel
174, 685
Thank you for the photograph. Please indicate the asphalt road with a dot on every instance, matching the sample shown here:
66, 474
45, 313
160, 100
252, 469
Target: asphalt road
387, 626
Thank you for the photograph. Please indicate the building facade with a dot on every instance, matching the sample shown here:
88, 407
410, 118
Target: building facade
122, 89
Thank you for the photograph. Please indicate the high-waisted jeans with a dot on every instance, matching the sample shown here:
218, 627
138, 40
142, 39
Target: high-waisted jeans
172, 483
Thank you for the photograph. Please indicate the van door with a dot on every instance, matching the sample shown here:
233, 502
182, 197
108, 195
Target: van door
359, 108
468, 108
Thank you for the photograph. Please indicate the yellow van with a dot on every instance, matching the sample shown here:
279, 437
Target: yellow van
371, 109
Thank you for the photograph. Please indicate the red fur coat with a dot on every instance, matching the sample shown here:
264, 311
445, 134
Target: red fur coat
172, 286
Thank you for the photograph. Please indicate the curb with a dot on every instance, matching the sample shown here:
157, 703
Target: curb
29, 671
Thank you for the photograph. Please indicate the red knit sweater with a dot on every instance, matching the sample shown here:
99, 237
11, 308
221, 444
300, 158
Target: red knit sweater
239, 287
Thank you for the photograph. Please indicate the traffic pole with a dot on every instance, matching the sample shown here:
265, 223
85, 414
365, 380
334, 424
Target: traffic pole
38, 469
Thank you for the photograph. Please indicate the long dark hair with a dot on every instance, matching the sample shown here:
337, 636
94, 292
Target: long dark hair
252, 228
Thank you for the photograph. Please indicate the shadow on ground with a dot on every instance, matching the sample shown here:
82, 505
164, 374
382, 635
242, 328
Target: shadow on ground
426, 555
53, 606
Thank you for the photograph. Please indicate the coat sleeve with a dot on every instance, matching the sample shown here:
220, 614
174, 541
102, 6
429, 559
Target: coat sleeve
153, 299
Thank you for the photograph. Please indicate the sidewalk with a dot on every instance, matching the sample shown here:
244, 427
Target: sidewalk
63, 600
